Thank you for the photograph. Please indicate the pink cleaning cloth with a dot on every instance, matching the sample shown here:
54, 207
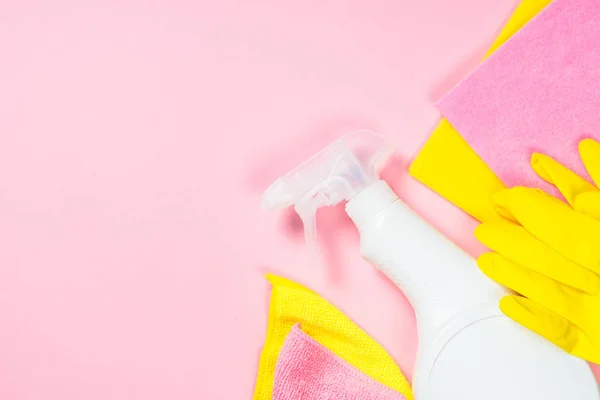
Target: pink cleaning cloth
539, 92
308, 370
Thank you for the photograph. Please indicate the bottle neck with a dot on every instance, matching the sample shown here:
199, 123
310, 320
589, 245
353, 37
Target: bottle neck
371, 201
439, 279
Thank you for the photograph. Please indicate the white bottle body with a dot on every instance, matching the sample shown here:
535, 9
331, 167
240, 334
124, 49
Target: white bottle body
468, 349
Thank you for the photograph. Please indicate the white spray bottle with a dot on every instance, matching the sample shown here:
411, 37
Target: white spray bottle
468, 350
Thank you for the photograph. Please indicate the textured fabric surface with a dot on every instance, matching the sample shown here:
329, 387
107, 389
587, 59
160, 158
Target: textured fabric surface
540, 92
292, 303
307, 370
549, 252
449, 166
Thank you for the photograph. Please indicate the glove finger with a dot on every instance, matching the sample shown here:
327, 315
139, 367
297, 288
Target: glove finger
501, 204
503, 200
589, 150
550, 325
572, 234
568, 183
589, 204
516, 244
539, 288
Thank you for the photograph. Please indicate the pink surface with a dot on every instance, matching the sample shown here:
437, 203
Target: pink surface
540, 92
307, 370
135, 141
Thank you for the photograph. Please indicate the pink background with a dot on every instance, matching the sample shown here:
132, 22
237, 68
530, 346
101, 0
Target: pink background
136, 138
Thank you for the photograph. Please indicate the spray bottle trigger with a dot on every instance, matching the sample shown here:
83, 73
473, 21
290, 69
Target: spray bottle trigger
307, 211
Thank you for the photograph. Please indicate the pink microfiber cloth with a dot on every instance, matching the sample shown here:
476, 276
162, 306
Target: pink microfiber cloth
540, 92
307, 370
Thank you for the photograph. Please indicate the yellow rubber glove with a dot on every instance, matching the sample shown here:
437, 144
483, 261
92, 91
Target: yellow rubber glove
449, 166
548, 252
292, 303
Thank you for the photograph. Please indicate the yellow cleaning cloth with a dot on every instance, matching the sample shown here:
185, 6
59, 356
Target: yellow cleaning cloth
292, 303
449, 166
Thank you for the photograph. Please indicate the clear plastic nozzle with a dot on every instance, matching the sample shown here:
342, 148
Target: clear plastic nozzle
337, 173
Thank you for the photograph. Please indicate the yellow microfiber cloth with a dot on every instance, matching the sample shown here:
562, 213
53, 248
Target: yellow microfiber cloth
449, 166
292, 303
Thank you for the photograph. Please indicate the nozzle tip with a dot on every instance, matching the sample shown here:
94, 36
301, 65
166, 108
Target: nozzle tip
264, 204
273, 196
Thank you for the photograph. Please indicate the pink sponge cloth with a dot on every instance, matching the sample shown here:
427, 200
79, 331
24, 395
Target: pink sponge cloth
540, 92
307, 370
